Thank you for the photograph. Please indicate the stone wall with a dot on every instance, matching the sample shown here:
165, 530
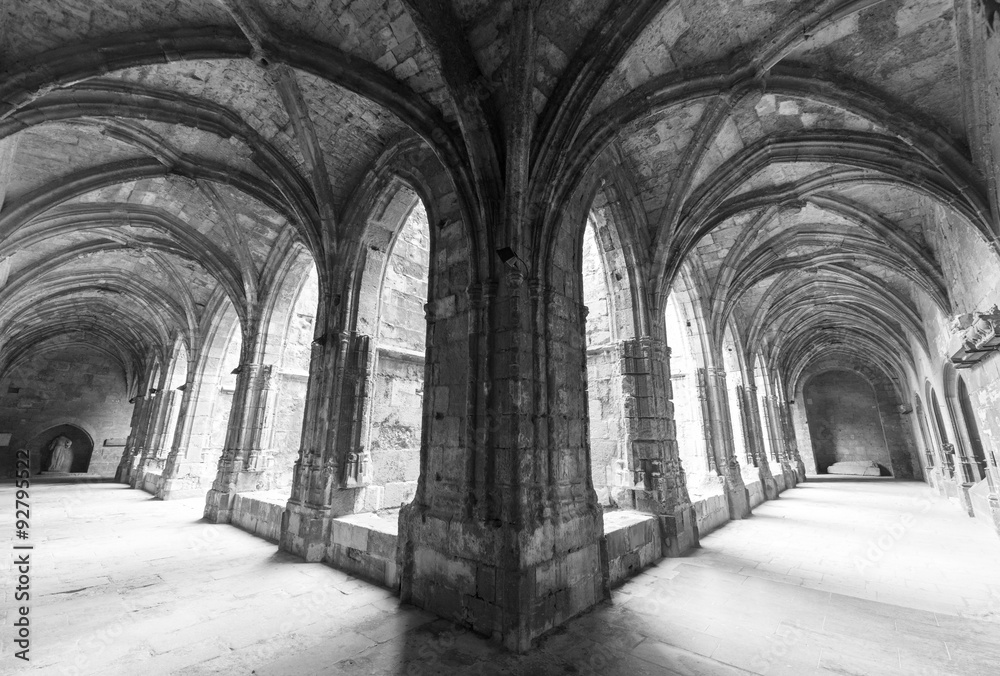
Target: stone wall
395, 425
72, 386
712, 512
396, 414
633, 541
844, 423
604, 400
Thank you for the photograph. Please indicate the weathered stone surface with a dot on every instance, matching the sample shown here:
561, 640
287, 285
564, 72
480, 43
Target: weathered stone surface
501, 266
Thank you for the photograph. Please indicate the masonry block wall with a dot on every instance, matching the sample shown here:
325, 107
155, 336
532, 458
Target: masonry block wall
292, 382
972, 267
72, 386
604, 384
844, 423
398, 388
604, 401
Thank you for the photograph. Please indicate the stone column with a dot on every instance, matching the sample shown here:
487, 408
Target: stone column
161, 437
660, 485
329, 477
727, 463
145, 437
779, 439
177, 468
791, 445
130, 453
752, 414
505, 533
243, 435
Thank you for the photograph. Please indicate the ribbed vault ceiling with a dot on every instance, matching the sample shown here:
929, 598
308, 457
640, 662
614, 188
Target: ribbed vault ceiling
164, 157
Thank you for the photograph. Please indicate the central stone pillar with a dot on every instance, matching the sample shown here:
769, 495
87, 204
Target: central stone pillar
505, 534
722, 445
244, 435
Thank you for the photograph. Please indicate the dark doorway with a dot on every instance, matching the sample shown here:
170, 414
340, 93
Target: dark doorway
924, 434
41, 450
844, 422
946, 448
968, 412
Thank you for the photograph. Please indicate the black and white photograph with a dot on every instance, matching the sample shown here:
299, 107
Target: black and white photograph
500, 337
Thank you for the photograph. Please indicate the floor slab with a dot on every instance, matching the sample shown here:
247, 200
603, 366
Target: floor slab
834, 577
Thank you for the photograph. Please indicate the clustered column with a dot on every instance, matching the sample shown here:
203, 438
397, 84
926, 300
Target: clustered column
243, 441
722, 443
329, 475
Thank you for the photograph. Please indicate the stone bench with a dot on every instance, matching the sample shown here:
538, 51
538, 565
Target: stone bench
633, 543
855, 468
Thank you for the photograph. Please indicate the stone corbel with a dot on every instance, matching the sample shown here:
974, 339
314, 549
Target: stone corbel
980, 334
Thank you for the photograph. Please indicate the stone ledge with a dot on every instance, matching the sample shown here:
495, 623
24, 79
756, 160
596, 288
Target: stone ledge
365, 545
712, 512
634, 543
259, 513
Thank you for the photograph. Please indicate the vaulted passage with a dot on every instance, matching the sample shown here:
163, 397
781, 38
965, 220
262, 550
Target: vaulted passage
499, 305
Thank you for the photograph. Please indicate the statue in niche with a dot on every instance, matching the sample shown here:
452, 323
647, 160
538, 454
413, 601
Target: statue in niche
62, 454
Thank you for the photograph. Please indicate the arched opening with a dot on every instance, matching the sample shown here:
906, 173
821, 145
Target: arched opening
924, 433
844, 425
609, 464
63, 449
215, 434
687, 383
972, 429
177, 379
736, 385
941, 433
396, 414
762, 385
292, 378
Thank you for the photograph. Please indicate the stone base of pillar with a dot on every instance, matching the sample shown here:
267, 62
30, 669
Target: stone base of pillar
136, 473
305, 532
791, 476
513, 585
738, 498
767, 482
121, 474
219, 502
182, 480
800, 469
679, 531
219, 506
966, 499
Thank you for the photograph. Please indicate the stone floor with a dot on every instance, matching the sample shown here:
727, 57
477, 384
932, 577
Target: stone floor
835, 577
